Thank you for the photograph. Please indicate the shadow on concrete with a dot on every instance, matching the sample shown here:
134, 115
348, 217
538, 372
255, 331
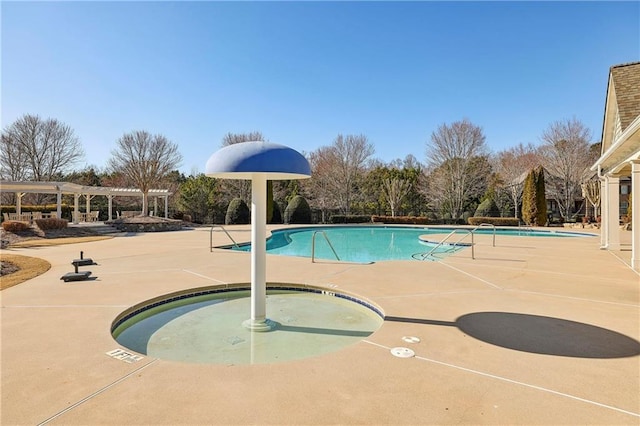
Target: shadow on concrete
540, 334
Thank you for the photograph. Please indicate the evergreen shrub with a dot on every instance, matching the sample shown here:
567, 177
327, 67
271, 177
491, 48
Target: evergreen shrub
297, 211
238, 213
405, 220
277, 214
487, 208
352, 218
541, 197
529, 199
497, 221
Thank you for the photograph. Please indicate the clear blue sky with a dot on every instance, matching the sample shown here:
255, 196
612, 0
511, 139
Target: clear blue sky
303, 72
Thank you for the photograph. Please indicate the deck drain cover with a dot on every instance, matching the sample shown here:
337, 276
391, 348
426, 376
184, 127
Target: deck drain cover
402, 352
411, 339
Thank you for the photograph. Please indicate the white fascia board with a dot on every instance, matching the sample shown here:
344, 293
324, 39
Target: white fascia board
624, 139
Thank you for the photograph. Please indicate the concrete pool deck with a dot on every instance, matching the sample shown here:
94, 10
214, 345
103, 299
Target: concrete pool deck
534, 331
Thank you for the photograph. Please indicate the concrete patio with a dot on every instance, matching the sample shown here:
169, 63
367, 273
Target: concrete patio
469, 367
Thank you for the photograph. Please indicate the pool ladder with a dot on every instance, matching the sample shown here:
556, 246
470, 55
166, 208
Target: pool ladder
524, 230
313, 245
466, 232
225, 231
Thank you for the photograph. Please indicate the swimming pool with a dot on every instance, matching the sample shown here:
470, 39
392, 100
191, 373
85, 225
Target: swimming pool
366, 244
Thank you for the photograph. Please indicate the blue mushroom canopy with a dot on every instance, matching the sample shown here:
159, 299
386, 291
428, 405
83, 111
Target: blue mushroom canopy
243, 160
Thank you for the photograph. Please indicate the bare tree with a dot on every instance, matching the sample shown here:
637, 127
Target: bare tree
395, 190
234, 138
322, 183
456, 170
512, 166
342, 166
37, 149
566, 156
237, 187
145, 160
591, 191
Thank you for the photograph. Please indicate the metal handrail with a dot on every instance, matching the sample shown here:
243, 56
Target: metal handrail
488, 224
225, 231
313, 245
423, 256
524, 229
465, 232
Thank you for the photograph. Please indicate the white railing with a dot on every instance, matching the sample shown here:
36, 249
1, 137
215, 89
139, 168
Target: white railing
485, 225
465, 232
225, 231
313, 245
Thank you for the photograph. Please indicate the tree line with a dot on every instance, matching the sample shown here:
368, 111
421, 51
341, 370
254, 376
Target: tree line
459, 172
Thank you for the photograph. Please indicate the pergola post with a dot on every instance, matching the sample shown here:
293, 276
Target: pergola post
76, 210
59, 203
166, 206
19, 196
110, 200
88, 198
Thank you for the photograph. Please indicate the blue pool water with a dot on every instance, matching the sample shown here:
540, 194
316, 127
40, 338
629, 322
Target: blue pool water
376, 243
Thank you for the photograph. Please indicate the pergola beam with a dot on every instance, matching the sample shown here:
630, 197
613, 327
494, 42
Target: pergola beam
59, 188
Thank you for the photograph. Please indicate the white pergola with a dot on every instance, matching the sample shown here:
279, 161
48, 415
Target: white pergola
620, 156
88, 192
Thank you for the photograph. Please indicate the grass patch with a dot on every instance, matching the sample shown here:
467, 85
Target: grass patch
46, 242
30, 267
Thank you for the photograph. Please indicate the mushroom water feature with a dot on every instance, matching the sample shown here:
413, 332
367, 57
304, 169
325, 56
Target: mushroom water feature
258, 161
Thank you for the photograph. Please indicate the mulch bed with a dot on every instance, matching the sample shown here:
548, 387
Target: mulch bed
35, 233
7, 268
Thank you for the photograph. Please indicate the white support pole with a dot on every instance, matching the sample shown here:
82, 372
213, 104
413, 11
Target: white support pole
19, 196
603, 212
76, 210
612, 204
258, 320
635, 215
87, 207
59, 204
166, 207
110, 200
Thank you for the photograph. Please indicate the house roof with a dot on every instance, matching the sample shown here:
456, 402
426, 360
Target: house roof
626, 83
621, 124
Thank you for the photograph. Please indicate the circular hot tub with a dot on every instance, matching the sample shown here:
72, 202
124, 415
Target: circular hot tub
205, 325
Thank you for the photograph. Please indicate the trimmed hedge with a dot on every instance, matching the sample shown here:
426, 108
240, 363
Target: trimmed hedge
498, 221
487, 208
352, 218
277, 214
297, 211
404, 220
238, 213
51, 223
14, 226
